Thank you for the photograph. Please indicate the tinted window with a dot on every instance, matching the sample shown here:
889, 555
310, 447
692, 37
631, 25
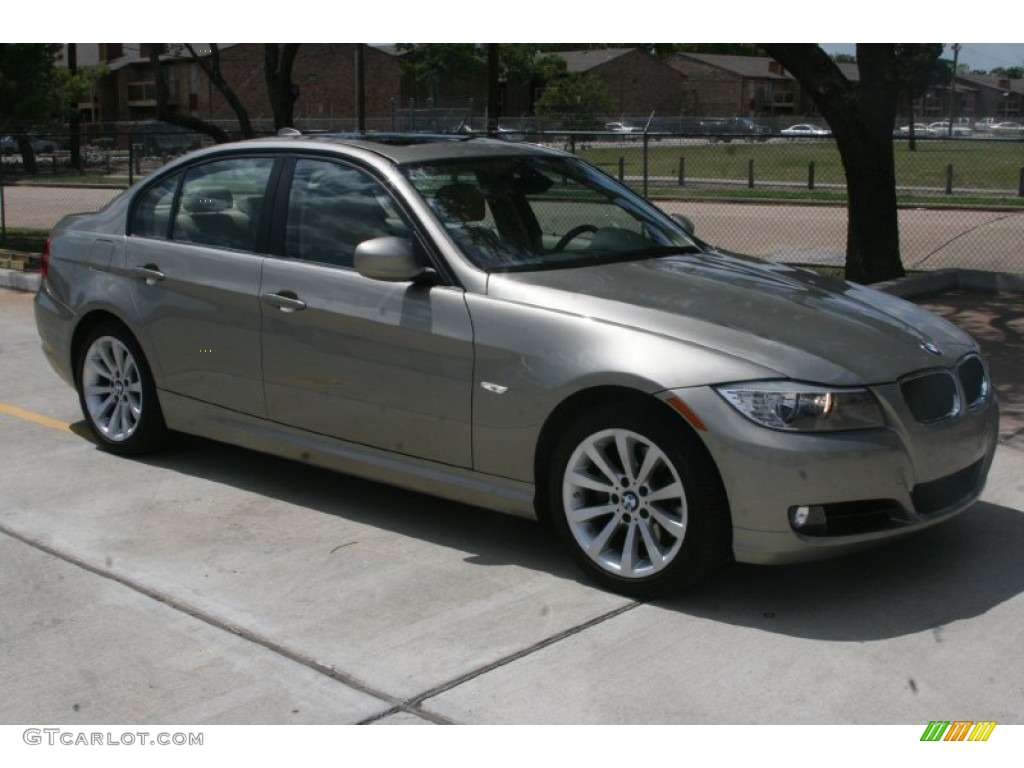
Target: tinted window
332, 208
221, 203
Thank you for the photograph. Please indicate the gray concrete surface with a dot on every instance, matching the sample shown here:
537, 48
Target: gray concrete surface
213, 585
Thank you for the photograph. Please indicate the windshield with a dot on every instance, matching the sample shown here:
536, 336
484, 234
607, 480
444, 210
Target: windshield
525, 213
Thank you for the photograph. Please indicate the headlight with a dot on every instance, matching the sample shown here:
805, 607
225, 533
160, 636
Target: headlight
796, 407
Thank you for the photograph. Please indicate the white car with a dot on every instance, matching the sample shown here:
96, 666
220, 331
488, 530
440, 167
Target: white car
1008, 129
621, 128
920, 129
941, 128
805, 129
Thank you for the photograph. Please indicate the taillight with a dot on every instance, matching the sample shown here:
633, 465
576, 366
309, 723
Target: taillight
44, 260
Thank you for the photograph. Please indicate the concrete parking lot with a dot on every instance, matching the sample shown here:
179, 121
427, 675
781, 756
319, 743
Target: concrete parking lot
213, 585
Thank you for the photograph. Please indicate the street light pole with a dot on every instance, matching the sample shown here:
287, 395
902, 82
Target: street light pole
952, 89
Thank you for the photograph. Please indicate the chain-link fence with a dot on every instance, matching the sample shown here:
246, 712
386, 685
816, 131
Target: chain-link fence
749, 186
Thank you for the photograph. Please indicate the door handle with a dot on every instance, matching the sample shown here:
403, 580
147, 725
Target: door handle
286, 301
150, 273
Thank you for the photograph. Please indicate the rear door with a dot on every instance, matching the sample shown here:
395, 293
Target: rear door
194, 258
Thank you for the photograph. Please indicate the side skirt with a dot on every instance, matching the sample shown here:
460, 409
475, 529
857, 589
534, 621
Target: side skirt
457, 484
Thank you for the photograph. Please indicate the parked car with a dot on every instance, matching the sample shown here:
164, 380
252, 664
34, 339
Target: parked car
941, 128
729, 128
622, 128
920, 130
40, 146
504, 325
805, 129
1008, 128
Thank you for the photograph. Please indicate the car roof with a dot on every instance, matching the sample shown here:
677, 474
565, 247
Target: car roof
400, 148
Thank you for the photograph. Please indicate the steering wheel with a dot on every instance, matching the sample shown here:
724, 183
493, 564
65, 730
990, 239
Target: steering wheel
572, 234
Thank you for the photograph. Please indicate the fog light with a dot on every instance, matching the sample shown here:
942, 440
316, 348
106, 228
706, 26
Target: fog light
804, 517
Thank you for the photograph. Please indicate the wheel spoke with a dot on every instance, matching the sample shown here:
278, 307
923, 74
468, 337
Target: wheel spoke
597, 545
105, 355
622, 445
651, 460
599, 461
670, 491
629, 552
579, 480
654, 552
673, 526
584, 514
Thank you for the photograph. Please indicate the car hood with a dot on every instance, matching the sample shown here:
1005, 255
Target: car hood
792, 321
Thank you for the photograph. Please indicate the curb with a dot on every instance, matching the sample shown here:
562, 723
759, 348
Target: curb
19, 281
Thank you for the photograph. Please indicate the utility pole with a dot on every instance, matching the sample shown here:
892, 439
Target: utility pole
952, 89
361, 87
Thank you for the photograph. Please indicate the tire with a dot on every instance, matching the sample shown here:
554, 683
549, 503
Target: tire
117, 393
638, 503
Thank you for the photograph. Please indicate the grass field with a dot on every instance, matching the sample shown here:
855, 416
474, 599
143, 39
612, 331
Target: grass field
981, 169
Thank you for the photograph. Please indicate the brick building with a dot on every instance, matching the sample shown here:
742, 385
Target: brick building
324, 74
638, 82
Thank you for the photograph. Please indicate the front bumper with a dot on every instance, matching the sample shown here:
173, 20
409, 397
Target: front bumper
871, 485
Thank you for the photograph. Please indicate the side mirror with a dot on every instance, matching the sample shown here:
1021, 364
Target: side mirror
685, 222
391, 259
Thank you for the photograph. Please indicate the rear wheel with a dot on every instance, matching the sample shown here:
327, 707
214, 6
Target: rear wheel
637, 501
117, 393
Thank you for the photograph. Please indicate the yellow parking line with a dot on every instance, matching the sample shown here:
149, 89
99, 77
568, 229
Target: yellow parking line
37, 418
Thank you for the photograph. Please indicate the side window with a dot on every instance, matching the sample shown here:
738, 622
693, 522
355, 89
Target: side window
153, 209
221, 203
332, 208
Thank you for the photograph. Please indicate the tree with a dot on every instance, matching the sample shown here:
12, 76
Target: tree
30, 91
574, 100
861, 116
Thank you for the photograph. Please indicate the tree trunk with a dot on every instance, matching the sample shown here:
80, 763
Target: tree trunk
211, 66
165, 113
277, 71
28, 155
861, 117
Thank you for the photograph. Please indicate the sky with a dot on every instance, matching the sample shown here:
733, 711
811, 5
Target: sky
984, 56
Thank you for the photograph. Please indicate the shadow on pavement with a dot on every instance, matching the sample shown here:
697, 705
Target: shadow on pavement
957, 570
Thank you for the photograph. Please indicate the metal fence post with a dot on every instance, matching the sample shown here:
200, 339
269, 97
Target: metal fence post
750, 173
3, 209
131, 158
949, 179
810, 175
1020, 184
646, 147
622, 168
682, 171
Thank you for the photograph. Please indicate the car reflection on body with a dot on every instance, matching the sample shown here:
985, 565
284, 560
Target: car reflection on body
506, 326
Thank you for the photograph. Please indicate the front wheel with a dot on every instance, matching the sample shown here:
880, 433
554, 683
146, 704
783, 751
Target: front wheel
638, 503
117, 393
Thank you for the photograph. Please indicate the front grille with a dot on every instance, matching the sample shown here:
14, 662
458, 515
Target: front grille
973, 381
947, 492
931, 396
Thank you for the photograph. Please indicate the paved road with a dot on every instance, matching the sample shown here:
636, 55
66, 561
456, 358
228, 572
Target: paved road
213, 585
